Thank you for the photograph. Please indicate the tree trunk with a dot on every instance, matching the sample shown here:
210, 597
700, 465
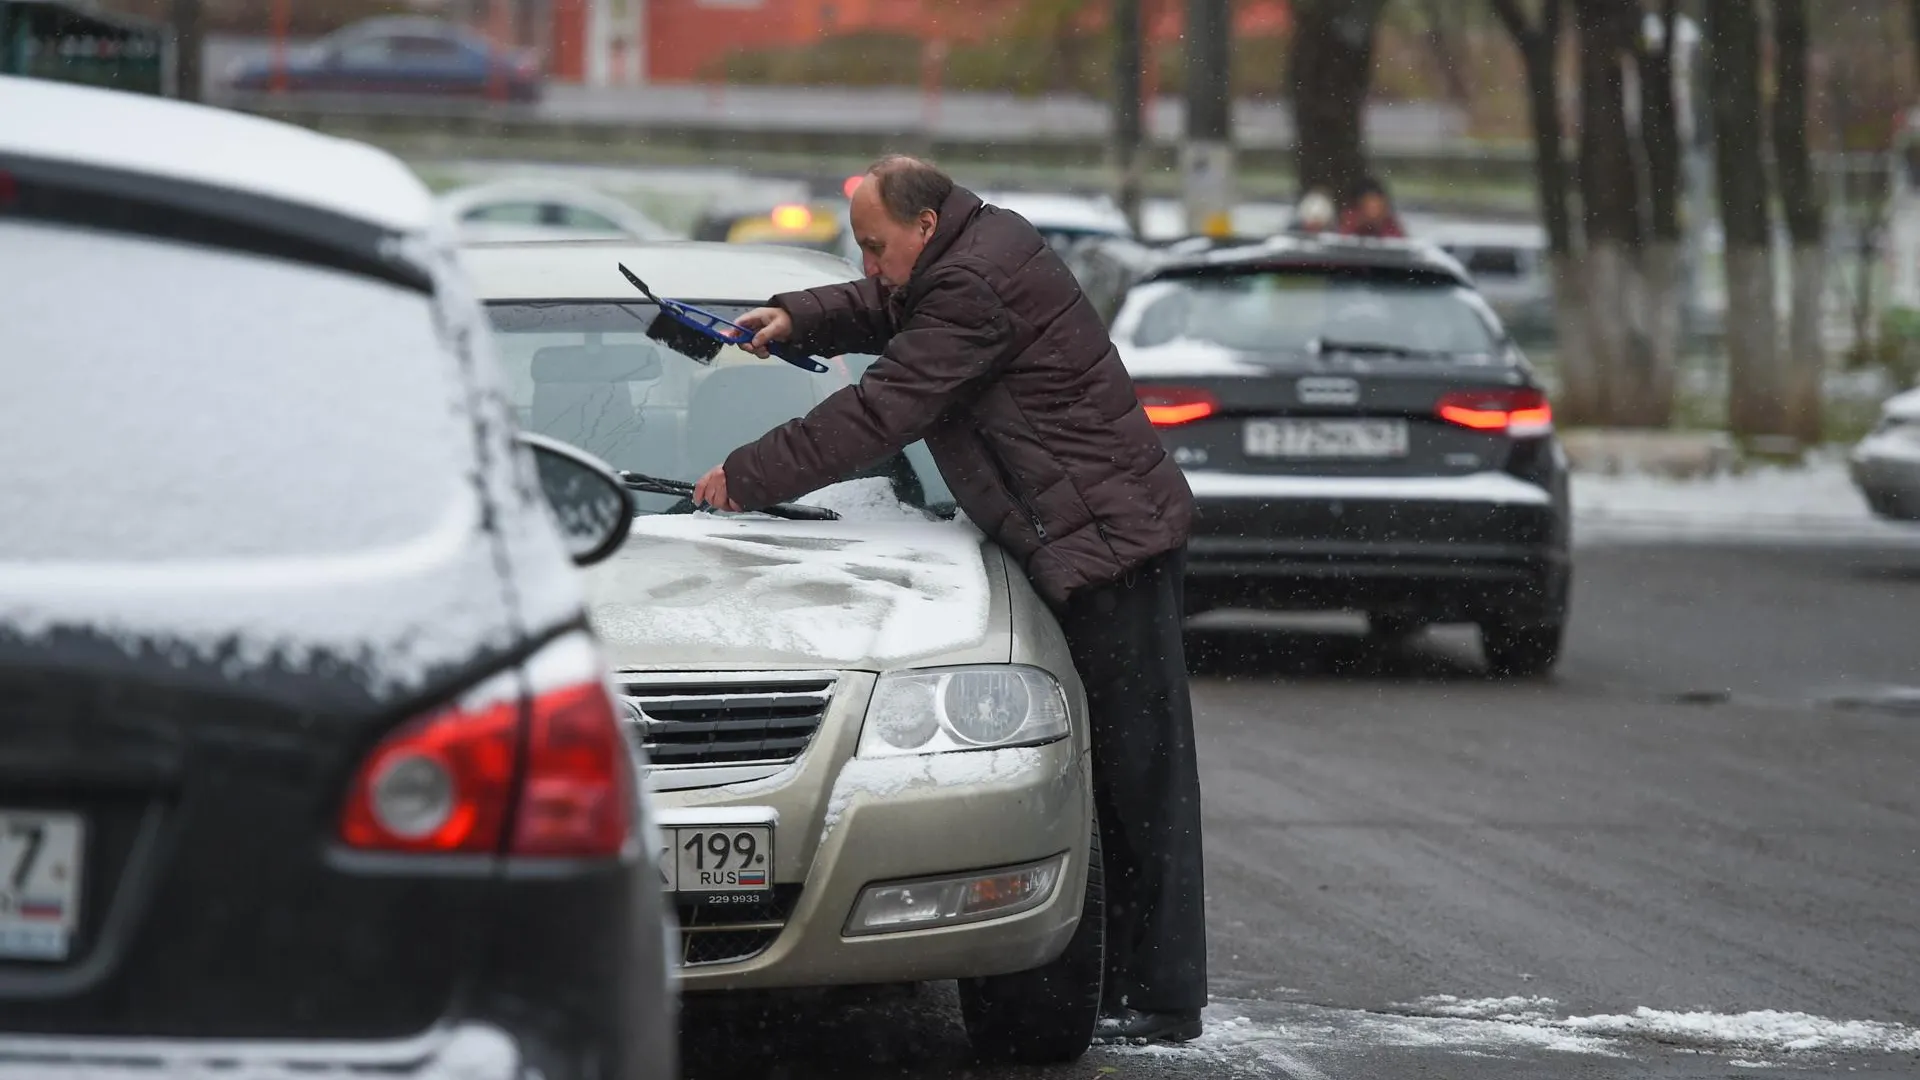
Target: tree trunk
1610, 200
1331, 68
1805, 362
1648, 390
1539, 46
1754, 390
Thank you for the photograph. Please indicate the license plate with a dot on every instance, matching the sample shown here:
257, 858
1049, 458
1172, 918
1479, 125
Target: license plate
715, 859
40, 860
1325, 438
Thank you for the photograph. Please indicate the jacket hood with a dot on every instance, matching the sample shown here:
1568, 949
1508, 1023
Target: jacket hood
698, 591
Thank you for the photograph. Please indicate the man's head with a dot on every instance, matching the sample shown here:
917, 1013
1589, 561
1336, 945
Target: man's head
895, 210
1370, 196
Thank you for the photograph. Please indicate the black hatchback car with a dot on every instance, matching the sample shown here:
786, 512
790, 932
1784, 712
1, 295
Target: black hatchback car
1360, 433
308, 758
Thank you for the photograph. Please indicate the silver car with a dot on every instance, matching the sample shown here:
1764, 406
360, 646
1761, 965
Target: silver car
1886, 464
866, 735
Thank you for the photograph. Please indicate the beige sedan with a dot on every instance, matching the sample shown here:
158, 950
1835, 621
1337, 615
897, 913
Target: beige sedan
865, 736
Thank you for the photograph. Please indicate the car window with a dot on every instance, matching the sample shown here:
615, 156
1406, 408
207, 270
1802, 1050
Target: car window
367, 51
422, 47
510, 213
587, 374
1287, 311
574, 217
268, 408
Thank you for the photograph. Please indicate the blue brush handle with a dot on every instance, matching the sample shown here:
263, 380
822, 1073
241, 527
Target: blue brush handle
709, 323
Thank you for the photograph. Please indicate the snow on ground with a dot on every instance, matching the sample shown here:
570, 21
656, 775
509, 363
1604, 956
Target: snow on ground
1816, 502
1249, 1038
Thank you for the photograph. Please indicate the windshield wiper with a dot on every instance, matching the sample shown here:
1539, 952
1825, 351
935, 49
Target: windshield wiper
1321, 346
655, 485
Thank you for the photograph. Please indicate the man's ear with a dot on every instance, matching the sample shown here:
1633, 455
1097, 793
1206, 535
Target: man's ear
930, 219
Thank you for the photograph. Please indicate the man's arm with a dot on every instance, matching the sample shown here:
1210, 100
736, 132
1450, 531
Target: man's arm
956, 340
833, 319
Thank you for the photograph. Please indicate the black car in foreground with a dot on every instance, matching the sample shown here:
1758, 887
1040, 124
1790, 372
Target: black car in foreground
309, 763
1360, 434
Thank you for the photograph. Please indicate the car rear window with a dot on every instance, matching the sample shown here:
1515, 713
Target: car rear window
173, 402
1292, 310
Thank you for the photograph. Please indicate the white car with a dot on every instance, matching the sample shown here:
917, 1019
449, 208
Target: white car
1886, 464
520, 210
1065, 220
866, 735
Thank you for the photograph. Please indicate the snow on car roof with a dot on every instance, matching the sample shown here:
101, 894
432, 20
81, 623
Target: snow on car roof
1047, 210
138, 133
681, 270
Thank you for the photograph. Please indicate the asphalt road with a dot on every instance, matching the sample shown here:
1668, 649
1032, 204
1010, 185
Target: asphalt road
1711, 810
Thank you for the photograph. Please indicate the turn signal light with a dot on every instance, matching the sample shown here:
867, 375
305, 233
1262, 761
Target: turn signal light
498, 773
1520, 412
1170, 405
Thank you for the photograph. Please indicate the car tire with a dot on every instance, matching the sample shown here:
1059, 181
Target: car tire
1046, 1015
1521, 650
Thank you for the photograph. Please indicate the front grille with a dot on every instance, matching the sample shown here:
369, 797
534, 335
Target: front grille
726, 718
728, 934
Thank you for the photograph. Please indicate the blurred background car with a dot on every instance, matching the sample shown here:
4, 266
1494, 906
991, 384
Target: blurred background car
1360, 434
528, 209
818, 701
817, 225
1508, 263
398, 55
1886, 464
324, 729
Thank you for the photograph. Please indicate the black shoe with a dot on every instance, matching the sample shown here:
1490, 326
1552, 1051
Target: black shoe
1134, 1026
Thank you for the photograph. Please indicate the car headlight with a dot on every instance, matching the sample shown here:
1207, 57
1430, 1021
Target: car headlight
963, 708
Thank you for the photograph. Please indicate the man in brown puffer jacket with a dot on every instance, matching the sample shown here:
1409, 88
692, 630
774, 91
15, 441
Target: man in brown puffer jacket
989, 352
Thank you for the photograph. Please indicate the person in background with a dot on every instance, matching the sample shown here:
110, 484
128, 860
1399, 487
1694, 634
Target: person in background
1370, 213
1313, 215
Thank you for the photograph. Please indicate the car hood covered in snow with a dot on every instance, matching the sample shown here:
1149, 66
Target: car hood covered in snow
701, 591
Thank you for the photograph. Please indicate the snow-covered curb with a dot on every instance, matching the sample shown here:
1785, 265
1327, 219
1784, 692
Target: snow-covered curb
1815, 503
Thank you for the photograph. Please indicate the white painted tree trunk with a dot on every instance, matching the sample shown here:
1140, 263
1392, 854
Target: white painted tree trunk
1610, 319
1649, 402
1579, 397
1806, 358
1756, 394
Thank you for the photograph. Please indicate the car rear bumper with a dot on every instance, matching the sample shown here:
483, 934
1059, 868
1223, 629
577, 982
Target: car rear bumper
844, 823
474, 1051
1446, 548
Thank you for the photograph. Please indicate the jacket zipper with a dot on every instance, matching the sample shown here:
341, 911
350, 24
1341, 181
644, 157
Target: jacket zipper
1006, 478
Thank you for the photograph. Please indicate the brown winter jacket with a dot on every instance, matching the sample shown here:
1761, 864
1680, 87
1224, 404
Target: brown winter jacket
992, 355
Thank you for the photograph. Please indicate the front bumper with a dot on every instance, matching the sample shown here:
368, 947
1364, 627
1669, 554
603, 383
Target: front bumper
843, 823
1445, 548
1886, 470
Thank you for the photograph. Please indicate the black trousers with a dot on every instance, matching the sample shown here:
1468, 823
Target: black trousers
1126, 643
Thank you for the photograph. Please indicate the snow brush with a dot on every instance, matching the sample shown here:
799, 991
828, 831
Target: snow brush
698, 333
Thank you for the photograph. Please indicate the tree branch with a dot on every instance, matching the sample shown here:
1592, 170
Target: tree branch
1515, 20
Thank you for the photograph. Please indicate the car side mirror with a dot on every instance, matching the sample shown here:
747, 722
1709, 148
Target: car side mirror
591, 506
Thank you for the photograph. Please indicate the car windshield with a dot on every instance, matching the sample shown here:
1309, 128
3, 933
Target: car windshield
587, 374
1291, 311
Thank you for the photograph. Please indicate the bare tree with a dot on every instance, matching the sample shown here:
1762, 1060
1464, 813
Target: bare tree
1806, 226
1609, 199
1755, 392
1647, 389
1330, 69
1537, 39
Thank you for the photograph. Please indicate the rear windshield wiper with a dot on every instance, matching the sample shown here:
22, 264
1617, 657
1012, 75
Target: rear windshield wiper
1322, 346
655, 485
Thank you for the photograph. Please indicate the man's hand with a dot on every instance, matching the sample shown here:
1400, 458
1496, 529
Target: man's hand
770, 324
711, 489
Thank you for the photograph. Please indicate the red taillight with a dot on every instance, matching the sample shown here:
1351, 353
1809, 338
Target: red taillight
576, 797
496, 774
1170, 405
1519, 412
